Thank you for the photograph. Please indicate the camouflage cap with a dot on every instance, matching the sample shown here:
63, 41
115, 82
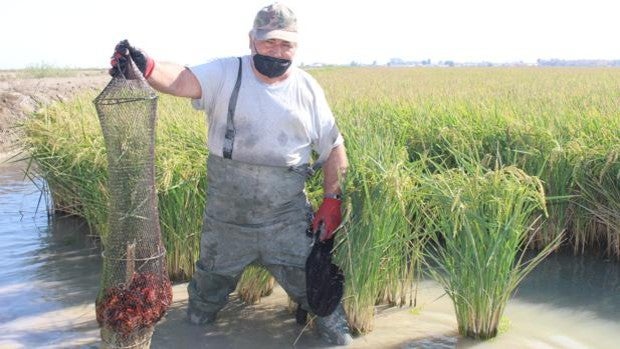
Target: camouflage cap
275, 21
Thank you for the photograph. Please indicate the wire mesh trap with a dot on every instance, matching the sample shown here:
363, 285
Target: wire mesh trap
135, 289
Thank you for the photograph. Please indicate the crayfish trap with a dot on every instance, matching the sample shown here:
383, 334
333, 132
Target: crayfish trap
135, 290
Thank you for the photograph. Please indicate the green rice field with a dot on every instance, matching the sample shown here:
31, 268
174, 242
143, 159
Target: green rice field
453, 173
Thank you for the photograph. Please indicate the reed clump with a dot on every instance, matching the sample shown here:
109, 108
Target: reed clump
255, 282
378, 253
480, 223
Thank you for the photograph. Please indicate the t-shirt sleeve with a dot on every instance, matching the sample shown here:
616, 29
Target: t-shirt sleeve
210, 77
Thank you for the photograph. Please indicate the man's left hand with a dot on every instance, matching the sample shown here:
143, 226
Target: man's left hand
330, 216
122, 52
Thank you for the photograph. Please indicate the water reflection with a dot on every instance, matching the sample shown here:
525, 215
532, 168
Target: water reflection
443, 342
47, 265
580, 283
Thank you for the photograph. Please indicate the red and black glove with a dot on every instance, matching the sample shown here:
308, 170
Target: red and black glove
122, 51
329, 216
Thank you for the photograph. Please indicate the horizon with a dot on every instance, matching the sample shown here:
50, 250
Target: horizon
579, 62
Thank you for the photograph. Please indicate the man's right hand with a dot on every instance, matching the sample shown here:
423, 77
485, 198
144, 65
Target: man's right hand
122, 51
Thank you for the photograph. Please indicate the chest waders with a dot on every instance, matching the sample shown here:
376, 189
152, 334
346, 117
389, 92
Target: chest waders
254, 214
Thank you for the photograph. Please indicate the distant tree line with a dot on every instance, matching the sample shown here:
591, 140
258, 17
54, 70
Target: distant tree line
554, 62
578, 63
399, 61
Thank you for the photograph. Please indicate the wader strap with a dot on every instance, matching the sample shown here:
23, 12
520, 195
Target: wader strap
305, 169
229, 137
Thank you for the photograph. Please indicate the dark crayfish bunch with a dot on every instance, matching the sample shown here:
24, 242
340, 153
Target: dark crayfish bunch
140, 304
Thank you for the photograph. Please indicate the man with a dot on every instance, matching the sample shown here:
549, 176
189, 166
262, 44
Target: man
265, 118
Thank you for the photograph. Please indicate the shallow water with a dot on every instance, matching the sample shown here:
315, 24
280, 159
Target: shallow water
46, 266
49, 274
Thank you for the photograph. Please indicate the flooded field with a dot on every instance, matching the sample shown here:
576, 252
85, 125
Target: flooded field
49, 274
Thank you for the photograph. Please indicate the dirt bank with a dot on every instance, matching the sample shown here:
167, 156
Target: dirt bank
20, 97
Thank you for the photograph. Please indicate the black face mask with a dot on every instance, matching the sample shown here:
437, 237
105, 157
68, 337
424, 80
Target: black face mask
271, 67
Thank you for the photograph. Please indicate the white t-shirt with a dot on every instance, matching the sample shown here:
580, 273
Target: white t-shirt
276, 124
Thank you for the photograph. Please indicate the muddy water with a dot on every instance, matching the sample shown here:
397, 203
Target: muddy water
49, 273
47, 266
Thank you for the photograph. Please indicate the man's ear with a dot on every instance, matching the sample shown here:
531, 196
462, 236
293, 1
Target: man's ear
250, 41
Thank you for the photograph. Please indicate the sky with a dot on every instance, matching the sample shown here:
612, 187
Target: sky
82, 34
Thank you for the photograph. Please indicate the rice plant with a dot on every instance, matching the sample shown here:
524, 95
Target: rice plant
599, 196
379, 252
255, 282
480, 223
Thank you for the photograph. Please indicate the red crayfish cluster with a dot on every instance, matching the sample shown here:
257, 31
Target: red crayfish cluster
127, 308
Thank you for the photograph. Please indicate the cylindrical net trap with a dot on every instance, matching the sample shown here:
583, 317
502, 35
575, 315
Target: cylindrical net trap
135, 289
